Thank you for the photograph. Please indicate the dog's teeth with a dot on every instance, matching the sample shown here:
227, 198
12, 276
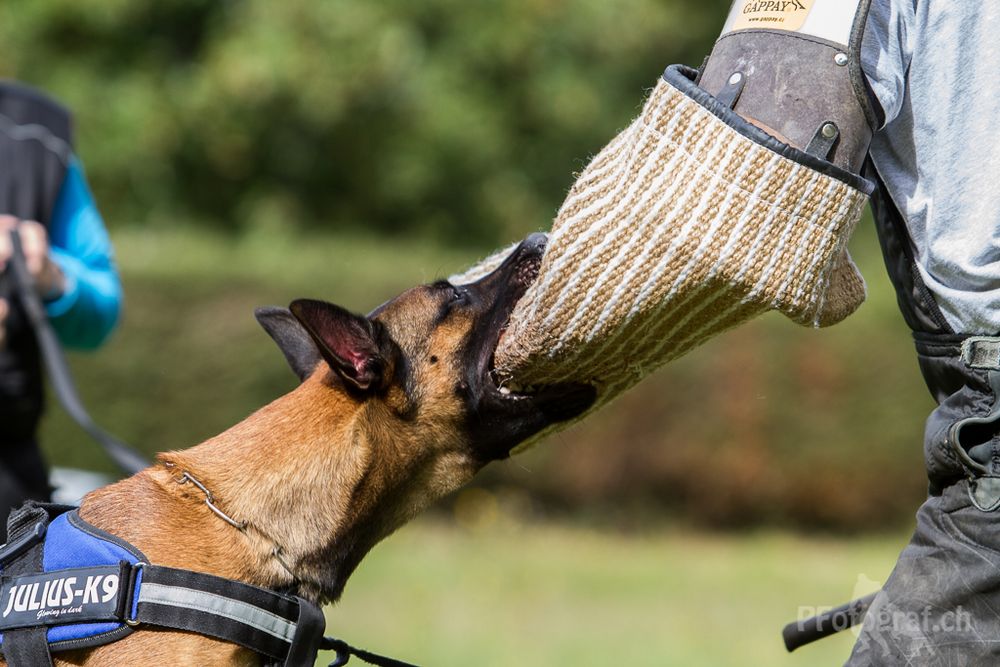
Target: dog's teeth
504, 390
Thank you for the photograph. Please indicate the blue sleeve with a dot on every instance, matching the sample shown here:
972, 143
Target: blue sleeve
87, 311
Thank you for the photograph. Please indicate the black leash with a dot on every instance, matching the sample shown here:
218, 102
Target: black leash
126, 458
345, 651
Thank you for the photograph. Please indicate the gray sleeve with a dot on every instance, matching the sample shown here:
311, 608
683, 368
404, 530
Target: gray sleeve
886, 51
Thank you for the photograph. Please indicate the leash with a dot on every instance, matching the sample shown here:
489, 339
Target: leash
124, 456
345, 651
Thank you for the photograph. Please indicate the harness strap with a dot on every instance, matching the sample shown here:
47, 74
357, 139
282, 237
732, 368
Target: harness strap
115, 593
26, 646
282, 627
286, 628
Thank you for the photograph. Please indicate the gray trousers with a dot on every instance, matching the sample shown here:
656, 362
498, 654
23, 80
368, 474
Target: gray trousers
941, 605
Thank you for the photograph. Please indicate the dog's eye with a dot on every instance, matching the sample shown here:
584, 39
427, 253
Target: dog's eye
457, 294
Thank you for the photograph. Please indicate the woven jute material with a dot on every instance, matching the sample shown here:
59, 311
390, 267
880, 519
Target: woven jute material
681, 228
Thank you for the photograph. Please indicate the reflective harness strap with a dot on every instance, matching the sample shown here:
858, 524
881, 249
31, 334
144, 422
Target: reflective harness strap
285, 628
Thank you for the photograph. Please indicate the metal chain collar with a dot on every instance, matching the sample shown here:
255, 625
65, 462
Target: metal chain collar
277, 551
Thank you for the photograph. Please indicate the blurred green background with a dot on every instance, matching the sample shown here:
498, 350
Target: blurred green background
247, 152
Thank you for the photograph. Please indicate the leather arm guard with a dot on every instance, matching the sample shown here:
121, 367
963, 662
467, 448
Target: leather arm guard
795, 66
693, 220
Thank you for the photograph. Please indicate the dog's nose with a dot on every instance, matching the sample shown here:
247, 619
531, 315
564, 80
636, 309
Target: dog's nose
535, 242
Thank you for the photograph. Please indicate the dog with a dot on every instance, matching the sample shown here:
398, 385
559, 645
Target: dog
394, 411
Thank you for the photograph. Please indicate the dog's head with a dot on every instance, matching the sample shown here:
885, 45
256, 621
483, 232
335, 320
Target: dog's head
419, 369
410, 393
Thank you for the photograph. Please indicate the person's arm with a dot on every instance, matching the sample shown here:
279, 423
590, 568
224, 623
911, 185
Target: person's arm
86, 311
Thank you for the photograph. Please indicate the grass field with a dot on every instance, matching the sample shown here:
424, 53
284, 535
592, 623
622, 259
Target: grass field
544, 595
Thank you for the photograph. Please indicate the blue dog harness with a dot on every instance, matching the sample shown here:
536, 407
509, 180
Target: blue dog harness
65, 584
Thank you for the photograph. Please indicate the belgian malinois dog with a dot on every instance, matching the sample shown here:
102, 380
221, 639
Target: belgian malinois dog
394, 411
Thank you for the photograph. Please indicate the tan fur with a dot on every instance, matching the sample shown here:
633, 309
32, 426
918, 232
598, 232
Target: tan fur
314, 470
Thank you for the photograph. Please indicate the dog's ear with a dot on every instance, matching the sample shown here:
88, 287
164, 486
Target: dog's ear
292, 338
351, 344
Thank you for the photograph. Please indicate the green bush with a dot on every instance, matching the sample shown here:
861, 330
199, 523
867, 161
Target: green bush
461, 119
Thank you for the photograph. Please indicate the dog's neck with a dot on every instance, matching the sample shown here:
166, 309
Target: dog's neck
299, 472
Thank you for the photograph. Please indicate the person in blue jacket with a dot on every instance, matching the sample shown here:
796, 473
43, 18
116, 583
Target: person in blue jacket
44, 198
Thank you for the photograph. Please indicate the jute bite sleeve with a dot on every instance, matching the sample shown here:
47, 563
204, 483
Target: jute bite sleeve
688, 223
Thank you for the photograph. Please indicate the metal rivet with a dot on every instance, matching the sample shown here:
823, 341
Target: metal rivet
829, 131
840, 59
735, 78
